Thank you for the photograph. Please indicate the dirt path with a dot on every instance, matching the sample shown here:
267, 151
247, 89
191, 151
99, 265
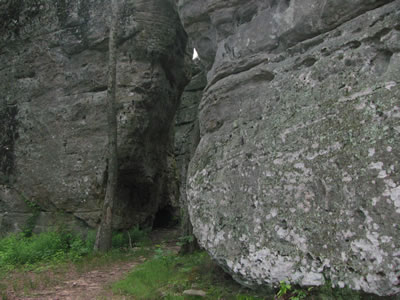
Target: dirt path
92, 285
96, 283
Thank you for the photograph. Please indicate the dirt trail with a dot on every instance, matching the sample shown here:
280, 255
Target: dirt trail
95, 284
92, 285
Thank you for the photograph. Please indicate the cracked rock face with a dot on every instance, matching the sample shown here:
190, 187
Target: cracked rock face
53, 85
296, 176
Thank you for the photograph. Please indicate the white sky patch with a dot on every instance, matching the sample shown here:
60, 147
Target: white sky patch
195, 54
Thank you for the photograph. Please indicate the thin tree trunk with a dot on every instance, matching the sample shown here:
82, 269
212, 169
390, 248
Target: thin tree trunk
189, 242
104, 232
130, 240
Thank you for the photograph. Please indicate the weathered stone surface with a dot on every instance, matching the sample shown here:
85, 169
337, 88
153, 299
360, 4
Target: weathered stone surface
53, 65
296, 176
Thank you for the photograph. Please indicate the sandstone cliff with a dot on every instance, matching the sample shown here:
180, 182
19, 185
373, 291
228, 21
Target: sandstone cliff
53, 65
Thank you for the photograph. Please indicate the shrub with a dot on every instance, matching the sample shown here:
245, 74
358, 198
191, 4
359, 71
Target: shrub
17, 249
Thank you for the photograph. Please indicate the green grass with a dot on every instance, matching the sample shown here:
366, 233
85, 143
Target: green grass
53, 247
166, 276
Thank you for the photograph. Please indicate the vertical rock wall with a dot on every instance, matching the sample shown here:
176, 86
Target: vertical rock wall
53, 65
296, 176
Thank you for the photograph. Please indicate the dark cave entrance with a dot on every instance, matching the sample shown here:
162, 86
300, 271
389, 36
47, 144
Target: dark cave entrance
165, 218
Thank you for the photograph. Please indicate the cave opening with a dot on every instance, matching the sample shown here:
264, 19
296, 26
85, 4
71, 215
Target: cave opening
165, 218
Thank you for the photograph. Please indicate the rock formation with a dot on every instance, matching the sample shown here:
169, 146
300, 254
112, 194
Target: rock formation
296, 176
53, 65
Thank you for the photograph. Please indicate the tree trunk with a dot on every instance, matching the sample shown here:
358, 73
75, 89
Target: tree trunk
104, 232
189, 242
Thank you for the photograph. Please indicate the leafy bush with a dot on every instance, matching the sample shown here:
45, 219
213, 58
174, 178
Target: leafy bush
17, 249
90, 239
22, 249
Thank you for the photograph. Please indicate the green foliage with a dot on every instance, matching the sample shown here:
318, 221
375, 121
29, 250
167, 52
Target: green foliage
283, 289
286, 289
137, 235
185, 240
90, 239
31, 204
326, 292
26, 248
18, 249
31, 221
299, 294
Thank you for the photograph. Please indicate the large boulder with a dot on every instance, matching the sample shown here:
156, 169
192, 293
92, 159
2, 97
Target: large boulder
53, 85
296, 176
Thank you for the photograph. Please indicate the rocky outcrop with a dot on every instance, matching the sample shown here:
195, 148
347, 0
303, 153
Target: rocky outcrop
296, 176
53, 58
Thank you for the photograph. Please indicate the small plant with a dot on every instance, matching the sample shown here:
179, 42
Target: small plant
283, 288
31, 221
299, 294
185, 240
159, 252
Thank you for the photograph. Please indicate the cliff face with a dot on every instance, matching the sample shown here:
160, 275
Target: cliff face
296, 176
53, 82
